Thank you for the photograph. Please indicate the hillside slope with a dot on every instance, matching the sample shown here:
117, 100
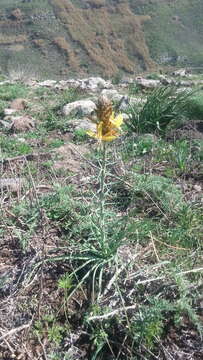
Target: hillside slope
67, 37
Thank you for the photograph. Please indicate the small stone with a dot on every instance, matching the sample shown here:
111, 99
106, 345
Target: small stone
22, 123
197, 188
18, 104
12, 185
8, 112
125, 116
83, 124
5, 124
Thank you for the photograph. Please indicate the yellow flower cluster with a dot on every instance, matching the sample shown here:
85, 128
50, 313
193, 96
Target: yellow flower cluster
108, 126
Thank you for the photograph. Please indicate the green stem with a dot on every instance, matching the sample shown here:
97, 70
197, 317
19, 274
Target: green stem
102, 194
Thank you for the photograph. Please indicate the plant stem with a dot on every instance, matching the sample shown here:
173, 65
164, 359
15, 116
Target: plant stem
102, 194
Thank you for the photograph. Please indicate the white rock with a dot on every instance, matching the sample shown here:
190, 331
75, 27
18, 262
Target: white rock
81, 107
6, 82
183, 89
180, 72
147, 83
125, 117
9, 111
185, 83
47, 83
66, 84
73, 83
166, 81
84, 124
94, 84
197, 188
98, 82
6, 125
111, 94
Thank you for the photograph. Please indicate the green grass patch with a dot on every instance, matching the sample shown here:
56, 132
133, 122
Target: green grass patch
13, 147
12, 91
80, 136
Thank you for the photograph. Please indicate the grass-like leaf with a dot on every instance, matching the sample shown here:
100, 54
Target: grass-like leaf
163, 106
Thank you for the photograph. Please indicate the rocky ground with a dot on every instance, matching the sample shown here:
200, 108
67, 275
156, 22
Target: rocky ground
141, 299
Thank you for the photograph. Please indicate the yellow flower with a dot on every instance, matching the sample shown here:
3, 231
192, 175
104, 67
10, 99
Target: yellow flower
108, 130
108, 126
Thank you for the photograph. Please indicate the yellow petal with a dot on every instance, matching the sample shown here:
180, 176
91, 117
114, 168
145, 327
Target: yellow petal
91, 133
117, 121
109, 137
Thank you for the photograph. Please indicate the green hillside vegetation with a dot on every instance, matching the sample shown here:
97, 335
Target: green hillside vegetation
60, 38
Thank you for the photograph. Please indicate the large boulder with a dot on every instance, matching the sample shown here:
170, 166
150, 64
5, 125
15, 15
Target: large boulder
79, 108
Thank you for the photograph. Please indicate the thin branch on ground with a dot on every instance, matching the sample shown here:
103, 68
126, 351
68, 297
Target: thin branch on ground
112, 313
13, 331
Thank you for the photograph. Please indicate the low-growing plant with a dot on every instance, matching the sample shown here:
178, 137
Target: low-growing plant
117, 78
148, 323
153, 76
194, 107
80, 136
52, 118
133, 89
48, 327
135, 146
12, 91
177, 154
163, 106
12, 147
55, 121
55, 143
69, 96
65, 283
161, 190
2, 107
55, 333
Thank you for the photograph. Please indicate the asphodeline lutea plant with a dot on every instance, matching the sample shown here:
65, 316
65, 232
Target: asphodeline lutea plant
108, 128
